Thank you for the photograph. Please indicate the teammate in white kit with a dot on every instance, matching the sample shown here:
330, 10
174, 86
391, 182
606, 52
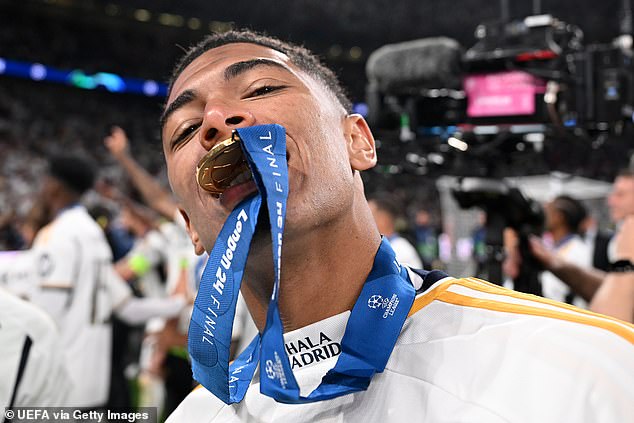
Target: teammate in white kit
32, 369
73, 279
564, 214
468, 352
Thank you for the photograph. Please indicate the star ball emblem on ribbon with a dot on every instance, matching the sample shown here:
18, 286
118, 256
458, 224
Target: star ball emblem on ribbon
369, 338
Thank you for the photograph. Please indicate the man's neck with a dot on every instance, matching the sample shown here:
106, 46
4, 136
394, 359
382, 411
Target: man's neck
322, 272
559, 235
62, 204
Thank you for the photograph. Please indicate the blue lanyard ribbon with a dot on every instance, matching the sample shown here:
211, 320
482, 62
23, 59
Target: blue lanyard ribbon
373, 327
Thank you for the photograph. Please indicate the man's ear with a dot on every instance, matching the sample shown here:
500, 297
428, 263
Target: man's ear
360, 143
193, 234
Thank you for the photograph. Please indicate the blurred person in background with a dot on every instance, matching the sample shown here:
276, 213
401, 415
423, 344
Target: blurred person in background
119, 238
74, 281
30, 225
597, 240
478, 238
426, 238
385, 212
142, 270
159, 261
33, 368
142, 263
153, 193
615, 296
621, 204
124, 347
10, 237
587, 281
564, 216
19, 232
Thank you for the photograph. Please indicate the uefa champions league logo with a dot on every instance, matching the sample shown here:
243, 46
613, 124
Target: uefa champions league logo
270, 372
379, 302
376, 301
275, 370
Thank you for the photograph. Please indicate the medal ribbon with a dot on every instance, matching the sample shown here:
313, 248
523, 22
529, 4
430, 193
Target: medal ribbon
373, 327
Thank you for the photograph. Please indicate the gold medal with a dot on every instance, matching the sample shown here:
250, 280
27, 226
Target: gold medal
221, 165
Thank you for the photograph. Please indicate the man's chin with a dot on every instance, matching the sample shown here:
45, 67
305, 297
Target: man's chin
261, 241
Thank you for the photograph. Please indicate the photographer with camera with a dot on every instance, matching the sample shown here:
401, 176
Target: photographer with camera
588, 283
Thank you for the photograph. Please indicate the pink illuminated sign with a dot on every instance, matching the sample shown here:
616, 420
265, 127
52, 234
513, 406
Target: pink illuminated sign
502, 94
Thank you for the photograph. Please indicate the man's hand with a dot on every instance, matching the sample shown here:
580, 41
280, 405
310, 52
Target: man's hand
625, 240
117, 142
542, 254
512, 257
182, 288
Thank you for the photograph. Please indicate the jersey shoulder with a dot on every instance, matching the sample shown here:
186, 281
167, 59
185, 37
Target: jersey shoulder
77, 220
74, 223
477, 296
200, 406
32, 320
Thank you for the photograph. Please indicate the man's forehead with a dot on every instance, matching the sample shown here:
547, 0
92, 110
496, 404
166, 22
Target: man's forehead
217, 58
624, 181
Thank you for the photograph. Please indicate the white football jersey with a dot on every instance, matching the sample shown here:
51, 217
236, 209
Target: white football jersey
575, 251
17, 273
469, 352
32, 368
169, 245
178, 250
79, 288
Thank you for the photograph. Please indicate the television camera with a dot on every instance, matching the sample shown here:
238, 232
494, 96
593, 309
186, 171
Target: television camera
528, 75
505, 206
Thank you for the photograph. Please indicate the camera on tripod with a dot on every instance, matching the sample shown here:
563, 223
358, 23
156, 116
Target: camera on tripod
505, 206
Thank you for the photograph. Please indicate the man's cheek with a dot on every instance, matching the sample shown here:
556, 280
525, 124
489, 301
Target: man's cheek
182, 173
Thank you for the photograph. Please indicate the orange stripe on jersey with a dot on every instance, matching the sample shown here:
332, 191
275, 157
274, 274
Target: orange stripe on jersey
440, 293
457, 299
484, 286
425, 298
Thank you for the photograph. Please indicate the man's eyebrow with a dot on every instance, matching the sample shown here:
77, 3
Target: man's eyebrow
238, 68
185, 97
232, 71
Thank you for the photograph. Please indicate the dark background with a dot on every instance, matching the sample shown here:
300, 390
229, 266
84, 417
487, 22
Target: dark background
106, 35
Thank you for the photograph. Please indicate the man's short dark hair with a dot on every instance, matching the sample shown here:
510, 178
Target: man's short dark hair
299, 56
75, 172
573, 210
625, 173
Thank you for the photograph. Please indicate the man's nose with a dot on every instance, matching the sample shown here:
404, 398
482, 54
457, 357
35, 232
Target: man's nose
219, 120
